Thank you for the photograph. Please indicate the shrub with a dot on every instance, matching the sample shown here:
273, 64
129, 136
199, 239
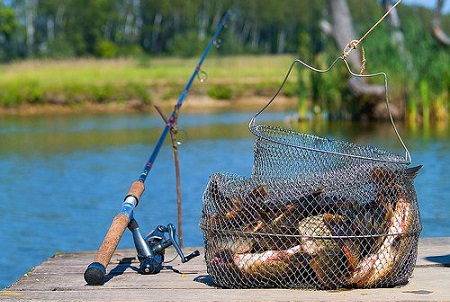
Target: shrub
220, 92
106, 49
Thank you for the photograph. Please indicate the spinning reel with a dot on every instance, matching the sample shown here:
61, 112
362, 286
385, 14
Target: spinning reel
151, 248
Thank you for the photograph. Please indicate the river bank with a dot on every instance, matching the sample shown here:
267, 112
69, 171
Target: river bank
238, 83
45, 87
192, 104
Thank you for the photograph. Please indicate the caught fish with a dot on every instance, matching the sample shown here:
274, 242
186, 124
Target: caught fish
279, 223
378, 265
330, 268
334, 256
282, 215
233, 212
241, 205
413, 171
315, 234
370, 220
271, 263
350, 245
234, 244
334, 237
382, 175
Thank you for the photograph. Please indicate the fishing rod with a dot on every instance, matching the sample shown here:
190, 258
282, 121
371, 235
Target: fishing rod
96, 271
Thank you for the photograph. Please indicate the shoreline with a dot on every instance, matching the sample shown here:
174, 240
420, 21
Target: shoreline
195, 104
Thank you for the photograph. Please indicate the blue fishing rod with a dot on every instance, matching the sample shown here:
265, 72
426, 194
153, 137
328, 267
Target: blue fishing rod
150, 249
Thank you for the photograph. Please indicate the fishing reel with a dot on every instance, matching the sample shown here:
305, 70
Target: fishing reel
151, 248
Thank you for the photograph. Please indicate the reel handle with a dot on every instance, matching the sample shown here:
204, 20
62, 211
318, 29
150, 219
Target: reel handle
173, 240
96, 271
191, 255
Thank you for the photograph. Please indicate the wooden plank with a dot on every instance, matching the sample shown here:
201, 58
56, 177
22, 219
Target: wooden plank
434, 251
60, 278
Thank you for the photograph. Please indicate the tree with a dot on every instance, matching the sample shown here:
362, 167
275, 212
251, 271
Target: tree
436, 24
8, 25
342, 30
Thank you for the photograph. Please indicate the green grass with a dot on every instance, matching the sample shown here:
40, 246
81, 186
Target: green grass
119, 80
148, 80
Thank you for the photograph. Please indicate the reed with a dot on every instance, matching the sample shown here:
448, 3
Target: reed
426, 110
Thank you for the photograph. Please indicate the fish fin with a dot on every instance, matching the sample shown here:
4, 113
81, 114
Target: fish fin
412, 172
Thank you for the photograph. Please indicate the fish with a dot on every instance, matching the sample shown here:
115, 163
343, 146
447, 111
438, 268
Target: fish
316, 234
369, 220
336, 241
278, 224
330, 268
413, 171
233, 212
334, 256
383, 175
274, 264
376, 266
234, 244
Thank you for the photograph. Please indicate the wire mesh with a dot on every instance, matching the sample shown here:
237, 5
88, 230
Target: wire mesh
315, 213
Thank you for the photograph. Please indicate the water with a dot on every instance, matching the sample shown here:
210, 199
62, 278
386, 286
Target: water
63, 179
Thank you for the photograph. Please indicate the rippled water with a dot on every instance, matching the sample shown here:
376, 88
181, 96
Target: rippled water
63, 179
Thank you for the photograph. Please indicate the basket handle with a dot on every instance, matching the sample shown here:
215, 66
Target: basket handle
253, 119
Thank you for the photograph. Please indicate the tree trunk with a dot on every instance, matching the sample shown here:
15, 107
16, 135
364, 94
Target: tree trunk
155, 31
436, 24
30, 16
132, 22
342, 29
281, 41
343, 33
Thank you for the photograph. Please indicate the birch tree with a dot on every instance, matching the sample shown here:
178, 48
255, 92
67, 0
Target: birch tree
436, 24
342, 30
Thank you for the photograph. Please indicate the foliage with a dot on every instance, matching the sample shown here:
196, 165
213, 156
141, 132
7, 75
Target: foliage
220, 92
69, 82
31, 29
8, 26
48, 28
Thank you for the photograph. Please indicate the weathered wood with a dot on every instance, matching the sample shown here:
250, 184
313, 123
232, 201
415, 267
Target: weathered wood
60, 278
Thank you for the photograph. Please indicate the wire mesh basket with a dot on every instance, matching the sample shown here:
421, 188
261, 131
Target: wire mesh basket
315, 213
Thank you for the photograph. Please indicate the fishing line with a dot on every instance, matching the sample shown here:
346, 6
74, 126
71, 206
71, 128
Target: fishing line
202, 76
354, 43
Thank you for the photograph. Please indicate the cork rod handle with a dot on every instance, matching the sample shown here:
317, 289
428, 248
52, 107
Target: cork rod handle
96, 271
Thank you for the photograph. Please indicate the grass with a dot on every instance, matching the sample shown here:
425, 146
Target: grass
139, 82
120, 80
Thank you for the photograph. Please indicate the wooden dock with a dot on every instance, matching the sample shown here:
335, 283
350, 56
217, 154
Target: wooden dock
60, 278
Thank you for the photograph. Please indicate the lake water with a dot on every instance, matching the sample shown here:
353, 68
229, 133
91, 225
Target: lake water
63, 179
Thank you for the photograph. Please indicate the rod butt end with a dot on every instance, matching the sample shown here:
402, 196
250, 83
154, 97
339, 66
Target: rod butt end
95, 273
